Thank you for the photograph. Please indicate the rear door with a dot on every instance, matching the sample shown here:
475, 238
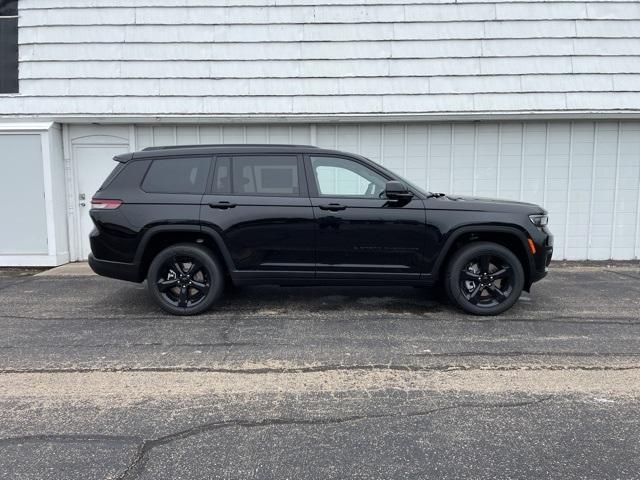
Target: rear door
260, 206
361, 234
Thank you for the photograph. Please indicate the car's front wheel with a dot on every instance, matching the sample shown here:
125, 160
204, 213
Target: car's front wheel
484, 278
185, 279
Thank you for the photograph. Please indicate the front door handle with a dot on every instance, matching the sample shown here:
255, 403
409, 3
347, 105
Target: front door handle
222, 205
334, 207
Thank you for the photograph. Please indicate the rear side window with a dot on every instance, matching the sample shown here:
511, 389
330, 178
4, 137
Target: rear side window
276, 175
177, 175
114, 173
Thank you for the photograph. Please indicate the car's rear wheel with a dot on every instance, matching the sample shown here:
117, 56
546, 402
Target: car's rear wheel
185, 279
484, 278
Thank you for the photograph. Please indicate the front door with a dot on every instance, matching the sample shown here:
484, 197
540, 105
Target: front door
93, 164
361, 232
260, 206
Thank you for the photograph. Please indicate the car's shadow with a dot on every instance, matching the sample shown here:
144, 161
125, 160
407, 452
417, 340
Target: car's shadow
331, 299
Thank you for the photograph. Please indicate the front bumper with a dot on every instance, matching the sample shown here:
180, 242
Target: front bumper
119, 270
542, 258
541, 271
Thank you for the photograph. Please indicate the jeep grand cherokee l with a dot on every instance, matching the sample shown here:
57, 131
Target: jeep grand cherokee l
190, 219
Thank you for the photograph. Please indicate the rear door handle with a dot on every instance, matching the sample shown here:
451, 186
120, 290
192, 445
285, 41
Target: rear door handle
334, 207
222, 205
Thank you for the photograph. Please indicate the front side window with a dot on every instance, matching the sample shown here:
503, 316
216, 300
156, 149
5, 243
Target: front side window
337, 176
266, 175
177, 175
8, 46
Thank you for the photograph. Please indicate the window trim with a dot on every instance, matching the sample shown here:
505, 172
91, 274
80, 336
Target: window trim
303, 191
153, 159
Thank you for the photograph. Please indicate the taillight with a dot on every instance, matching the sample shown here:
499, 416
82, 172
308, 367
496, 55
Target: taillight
101, 204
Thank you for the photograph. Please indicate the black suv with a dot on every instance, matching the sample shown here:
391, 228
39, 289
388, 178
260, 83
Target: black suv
191, 219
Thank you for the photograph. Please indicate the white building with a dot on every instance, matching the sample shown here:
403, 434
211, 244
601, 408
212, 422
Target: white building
521, 99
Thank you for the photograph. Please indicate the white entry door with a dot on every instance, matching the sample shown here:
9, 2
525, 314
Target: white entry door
93, 164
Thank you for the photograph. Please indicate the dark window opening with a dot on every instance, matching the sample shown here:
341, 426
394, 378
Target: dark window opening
177, 175
8, 46
8, 8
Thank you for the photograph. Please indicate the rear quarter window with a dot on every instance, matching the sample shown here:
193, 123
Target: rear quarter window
114, 173
177, 175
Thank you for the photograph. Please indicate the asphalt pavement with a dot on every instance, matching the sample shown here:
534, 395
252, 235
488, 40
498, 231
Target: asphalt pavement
97, 383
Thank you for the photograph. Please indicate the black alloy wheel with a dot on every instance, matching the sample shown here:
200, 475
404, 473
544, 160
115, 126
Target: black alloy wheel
484, 278
185, 279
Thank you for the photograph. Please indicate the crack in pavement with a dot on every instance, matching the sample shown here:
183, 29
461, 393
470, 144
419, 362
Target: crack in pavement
138, 465
70, 438
520, 353
128, 345
317, 369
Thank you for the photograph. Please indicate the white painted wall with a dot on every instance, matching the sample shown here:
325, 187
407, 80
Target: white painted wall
587, 174
260, 58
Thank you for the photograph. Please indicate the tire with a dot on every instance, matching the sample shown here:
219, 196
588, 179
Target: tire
484, 278
178, 289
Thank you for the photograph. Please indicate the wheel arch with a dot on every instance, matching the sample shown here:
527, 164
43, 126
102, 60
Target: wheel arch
509, 236
159, 237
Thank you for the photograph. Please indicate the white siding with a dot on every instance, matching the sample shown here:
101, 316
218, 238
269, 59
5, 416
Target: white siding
587, 174
260, 58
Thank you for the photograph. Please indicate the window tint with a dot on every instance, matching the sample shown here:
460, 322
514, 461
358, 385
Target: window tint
337, 176
266, 175
117, 169
177, 175
222, 176
8, 46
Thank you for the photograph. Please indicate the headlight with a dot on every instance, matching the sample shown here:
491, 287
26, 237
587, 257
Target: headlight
539, 220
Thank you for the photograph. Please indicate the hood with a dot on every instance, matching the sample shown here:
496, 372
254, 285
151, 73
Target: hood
462, 202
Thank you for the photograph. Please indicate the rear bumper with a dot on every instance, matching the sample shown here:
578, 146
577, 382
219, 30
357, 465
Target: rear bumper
120, 270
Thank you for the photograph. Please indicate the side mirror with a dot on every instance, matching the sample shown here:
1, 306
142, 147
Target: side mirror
395, 190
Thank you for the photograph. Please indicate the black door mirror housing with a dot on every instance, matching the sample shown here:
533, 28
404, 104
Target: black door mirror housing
395, 190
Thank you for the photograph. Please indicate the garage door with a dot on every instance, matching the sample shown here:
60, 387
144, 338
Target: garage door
587, 174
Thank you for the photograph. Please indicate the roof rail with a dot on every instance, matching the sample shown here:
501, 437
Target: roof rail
224, 145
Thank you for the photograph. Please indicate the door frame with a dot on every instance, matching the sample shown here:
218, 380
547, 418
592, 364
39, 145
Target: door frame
76, 137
